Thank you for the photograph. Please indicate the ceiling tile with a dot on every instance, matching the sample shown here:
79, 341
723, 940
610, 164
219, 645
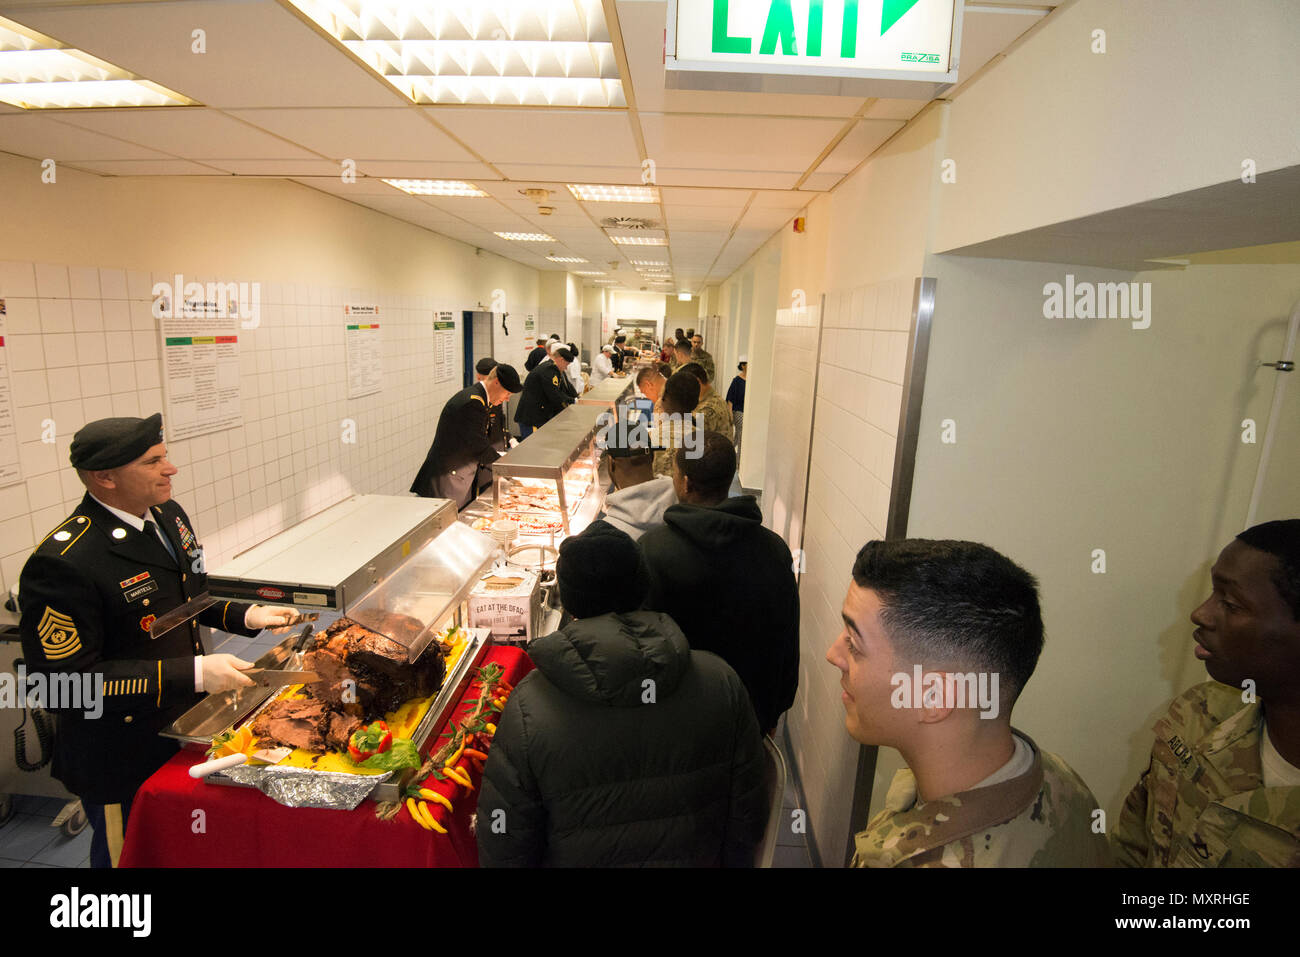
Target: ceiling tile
192, 132
781, 199
675, 141
410, 169
863, 140
716, 177
163, 167
42, 136
258, 53
309, 167
554, 176
821, 182
544, 137
388, 134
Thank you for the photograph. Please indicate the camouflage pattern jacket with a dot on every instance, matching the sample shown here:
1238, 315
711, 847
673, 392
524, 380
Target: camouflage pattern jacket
1042, 818
1202, 801
716, 416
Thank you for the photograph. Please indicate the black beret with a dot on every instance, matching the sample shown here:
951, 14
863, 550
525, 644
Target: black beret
485, 365
562, 353
599, 572
112, 443
508, 376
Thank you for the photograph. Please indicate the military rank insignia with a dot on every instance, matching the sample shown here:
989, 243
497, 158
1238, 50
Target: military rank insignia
147, 622
58, 633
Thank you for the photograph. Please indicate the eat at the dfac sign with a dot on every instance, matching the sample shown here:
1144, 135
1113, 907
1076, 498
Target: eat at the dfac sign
890, 48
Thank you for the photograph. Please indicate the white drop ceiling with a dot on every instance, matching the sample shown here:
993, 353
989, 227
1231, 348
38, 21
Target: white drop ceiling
280, 98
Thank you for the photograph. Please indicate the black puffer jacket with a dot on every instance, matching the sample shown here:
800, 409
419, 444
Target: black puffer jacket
727, 581
623, 749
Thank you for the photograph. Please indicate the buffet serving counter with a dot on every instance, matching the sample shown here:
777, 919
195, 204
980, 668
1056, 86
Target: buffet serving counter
551, 484
610, 392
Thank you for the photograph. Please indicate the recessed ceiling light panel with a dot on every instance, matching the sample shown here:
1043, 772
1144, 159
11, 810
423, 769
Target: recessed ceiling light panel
490, 52
638, 241
40, 73
528, 237
615, 194
566, 259
436, 187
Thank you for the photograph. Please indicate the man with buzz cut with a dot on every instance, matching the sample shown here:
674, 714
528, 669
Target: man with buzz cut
976, 792
1223, 785
93, 598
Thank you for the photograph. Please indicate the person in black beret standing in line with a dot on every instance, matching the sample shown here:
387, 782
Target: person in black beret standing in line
90, 596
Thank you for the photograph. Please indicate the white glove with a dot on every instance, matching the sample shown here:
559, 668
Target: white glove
222, 673
513, 441
268, 616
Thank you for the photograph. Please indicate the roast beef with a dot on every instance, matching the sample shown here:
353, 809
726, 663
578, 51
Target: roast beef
364, 675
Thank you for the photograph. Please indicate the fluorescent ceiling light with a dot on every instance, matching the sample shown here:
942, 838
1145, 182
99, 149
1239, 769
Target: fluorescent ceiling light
566, 259
683, 297
436, 187
648, 262
586, 272
491, 52
528, 237
40, 73
615, 194
638, 241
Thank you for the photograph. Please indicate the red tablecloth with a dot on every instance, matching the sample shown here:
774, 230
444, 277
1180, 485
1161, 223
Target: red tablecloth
241, 827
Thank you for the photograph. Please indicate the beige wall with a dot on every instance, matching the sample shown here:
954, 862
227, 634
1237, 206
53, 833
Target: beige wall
1075, 435
83, 342
1186, 91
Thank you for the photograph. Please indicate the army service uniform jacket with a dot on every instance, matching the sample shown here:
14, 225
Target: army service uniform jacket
1202, 800
545, 395
1043, 818
461, 444
88, 594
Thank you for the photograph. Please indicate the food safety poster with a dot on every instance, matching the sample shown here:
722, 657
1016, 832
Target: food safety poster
10, 465
444, 347
365, 352
199, 342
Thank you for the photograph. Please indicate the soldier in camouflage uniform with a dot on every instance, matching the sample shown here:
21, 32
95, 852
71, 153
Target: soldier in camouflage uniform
675, 426
942, 609
1223, 785
1039, 819
712, 407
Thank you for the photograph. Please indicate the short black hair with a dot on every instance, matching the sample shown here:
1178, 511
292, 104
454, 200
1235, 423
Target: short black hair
665, 369
956, 604
683, 345
646, 373
555, 335
712, 470
1281, 539
681, 393
541, 342
697, 370
678, 334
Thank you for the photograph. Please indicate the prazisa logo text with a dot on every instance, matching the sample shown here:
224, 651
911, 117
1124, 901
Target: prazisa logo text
75, 909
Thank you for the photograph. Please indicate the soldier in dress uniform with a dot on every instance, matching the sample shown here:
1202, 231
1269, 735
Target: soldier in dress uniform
546, 394
464, 440
90, 594
496, 413
1223, 785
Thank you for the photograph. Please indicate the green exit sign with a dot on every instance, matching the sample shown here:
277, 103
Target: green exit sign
889, 48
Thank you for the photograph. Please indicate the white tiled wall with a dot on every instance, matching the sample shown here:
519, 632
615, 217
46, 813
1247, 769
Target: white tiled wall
862, 359
83, 345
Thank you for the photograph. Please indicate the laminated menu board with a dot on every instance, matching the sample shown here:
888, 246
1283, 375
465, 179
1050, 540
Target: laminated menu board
200, 353
365, 354
10, 464
444, 347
